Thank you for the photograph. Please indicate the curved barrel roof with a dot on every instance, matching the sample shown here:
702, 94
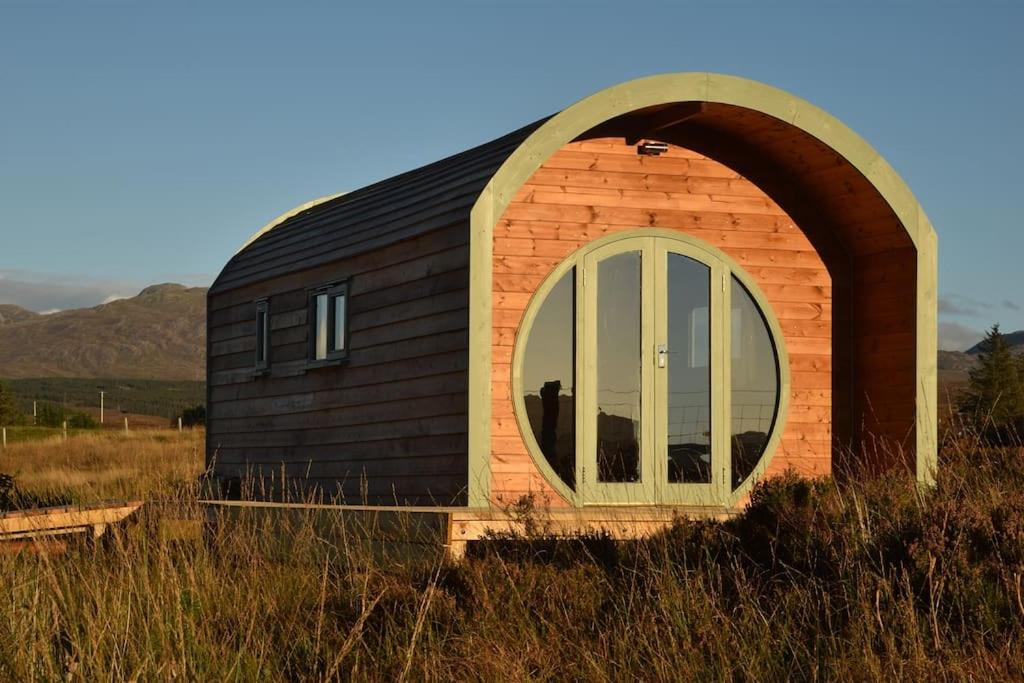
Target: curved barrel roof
394, 209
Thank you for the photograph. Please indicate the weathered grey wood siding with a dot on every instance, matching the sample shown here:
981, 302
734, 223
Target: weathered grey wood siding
388, 425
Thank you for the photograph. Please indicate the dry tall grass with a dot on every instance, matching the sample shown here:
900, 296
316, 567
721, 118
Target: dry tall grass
99, 465
866, 581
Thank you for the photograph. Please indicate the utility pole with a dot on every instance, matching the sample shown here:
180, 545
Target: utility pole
101, 406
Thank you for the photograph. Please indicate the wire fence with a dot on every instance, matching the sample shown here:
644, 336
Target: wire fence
166, 399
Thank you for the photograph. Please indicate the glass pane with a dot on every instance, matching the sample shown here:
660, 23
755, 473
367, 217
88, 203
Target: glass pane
339, 323
321, 327
755, 383
549, 372
689, 371
619, 368
261, 336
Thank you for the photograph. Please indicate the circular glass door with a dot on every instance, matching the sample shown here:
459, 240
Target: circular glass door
648, 374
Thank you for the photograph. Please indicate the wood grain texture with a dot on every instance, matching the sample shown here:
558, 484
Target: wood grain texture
598, 187
884, 351
386, 427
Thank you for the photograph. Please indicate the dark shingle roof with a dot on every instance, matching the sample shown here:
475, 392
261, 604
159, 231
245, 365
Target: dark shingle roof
413, 203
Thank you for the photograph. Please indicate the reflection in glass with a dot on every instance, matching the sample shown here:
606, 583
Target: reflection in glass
549, 371
689, 371
338, 342
321, 327
755, 383
618, 368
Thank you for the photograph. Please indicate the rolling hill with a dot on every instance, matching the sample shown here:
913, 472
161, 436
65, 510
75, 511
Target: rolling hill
9, 313
158, 334
1014, 339
955, 366
963, 361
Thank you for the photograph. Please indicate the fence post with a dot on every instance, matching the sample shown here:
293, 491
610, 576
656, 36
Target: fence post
125, 425
4, 429
179, 425
64, 429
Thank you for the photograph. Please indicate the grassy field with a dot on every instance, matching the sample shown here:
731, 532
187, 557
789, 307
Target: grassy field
866, 581
22, 433
94, 465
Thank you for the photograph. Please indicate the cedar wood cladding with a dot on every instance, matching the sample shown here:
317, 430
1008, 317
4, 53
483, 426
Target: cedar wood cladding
390, 424
596, 187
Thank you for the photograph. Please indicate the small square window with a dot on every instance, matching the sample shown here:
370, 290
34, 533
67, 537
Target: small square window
328, 312
262, 336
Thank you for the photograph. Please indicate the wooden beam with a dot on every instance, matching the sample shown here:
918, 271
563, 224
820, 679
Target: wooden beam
45, 522
651, 124
619, 522
637, 126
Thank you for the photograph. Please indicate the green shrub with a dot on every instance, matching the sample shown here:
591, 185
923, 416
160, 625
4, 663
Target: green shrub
49, 415
53, 415
81, 421
9, 413
194, 416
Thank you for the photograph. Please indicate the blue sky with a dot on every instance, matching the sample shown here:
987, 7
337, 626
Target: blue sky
144, 142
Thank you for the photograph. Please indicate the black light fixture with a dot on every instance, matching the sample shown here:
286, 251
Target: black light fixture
651, 149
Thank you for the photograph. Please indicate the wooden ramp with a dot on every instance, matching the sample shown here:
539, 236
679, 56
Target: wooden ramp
453, 528
43, 523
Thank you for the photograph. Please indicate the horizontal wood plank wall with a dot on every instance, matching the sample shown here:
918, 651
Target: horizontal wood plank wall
596, 187
389, 425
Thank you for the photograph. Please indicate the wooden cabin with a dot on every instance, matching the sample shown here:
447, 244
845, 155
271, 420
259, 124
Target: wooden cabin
654, 298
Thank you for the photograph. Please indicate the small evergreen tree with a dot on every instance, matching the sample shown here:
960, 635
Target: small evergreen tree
9, 413
995, 392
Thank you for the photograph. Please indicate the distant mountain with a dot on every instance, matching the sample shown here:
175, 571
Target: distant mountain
956, 361
9, 313
159, 334
1014, 339
955, 366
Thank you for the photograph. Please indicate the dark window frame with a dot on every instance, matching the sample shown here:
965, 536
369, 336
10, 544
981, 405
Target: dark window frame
262, 365
332, 290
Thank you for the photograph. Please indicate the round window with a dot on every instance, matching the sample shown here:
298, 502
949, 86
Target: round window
649, 369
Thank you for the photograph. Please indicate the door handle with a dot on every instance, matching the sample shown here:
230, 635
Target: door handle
662, 351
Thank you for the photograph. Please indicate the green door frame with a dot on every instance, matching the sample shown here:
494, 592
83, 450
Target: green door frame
655, 244
717, 491
592, 491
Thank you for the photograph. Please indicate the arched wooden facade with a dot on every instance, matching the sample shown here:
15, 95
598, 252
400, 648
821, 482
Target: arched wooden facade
435, 276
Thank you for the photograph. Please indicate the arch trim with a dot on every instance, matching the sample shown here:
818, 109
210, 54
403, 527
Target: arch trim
285, 216
665, 89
